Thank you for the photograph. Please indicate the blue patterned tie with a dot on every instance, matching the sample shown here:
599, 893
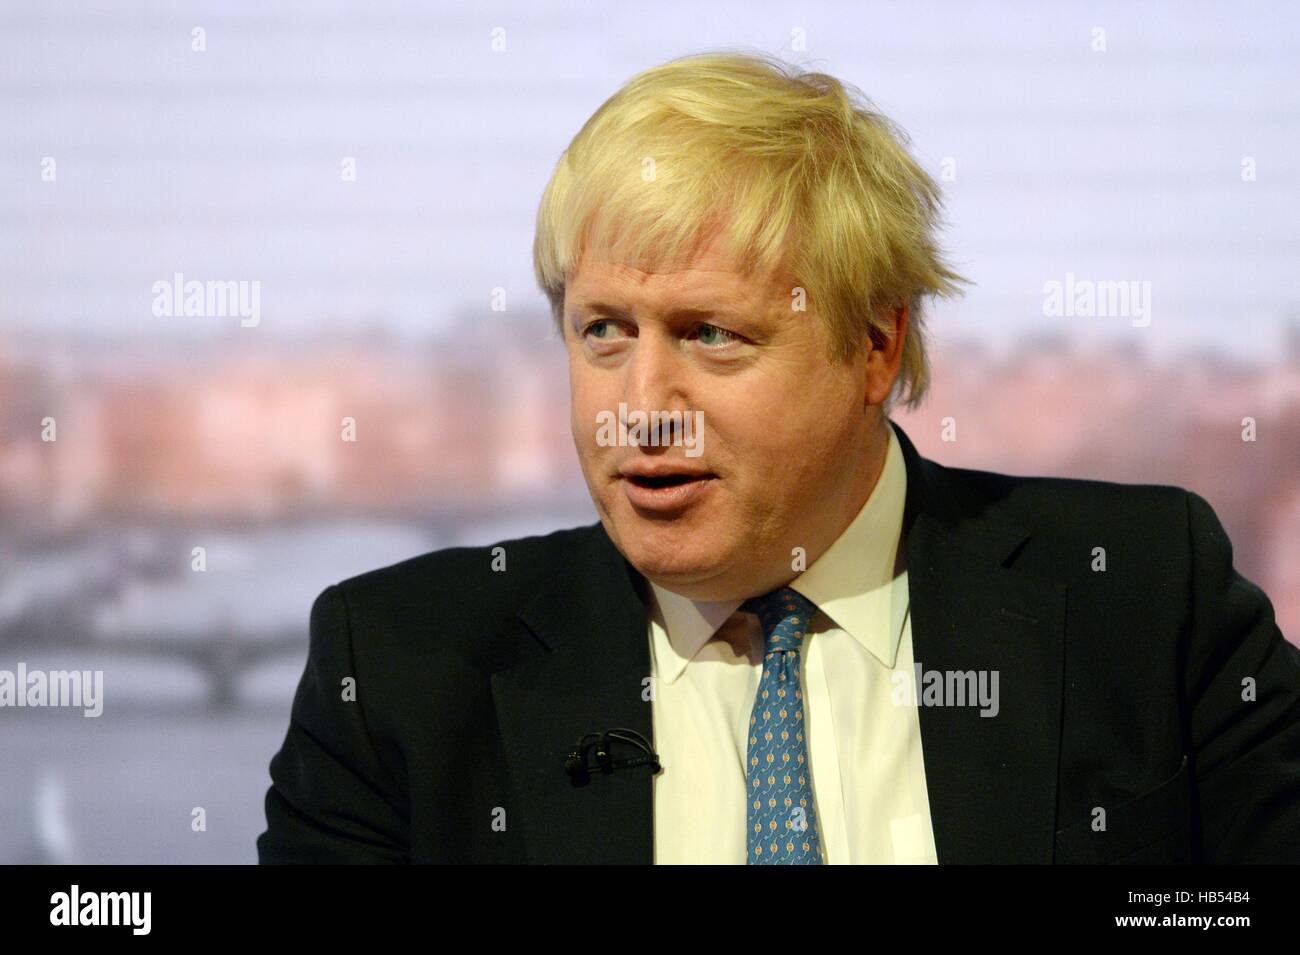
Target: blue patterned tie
781, 823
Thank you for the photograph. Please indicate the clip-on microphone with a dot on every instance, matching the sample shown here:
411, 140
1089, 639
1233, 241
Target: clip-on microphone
579, 767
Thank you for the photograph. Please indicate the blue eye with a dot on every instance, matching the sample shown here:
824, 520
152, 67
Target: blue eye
713, 335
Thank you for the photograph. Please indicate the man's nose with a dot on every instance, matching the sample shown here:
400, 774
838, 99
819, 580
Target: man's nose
655, 381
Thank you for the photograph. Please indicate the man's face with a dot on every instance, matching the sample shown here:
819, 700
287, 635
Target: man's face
790, 446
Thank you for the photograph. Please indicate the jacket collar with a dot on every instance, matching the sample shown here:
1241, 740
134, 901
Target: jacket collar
991, 780
584, 669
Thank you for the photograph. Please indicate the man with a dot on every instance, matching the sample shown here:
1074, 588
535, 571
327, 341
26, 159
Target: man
789, 639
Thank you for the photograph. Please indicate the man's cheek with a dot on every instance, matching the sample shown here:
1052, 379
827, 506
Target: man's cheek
583, 423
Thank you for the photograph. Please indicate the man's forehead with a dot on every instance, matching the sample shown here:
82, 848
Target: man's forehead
596, 274
616, 284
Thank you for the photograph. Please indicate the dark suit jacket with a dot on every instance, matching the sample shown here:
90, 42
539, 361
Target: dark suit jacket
1120, 689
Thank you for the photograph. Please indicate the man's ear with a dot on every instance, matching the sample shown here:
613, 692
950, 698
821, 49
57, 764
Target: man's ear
886, 355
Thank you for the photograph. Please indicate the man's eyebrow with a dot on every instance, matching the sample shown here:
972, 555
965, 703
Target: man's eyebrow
703, 313
696, 312
597, 308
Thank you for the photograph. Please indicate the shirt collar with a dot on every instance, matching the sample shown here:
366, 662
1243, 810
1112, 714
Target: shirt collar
853, 583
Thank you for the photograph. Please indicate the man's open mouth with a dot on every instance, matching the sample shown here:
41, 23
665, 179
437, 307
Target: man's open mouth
665, 480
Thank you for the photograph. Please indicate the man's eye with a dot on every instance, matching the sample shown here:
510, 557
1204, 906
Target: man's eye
601, 328
713, 335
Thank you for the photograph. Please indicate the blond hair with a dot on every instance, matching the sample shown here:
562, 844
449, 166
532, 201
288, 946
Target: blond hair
795, 169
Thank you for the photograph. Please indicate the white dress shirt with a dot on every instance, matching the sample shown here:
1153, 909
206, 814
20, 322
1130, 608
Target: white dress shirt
868, 775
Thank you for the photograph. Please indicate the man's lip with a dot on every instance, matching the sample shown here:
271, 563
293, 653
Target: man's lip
663, 471
666, 499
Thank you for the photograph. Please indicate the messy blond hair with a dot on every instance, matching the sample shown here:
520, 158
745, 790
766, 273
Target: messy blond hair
794, 169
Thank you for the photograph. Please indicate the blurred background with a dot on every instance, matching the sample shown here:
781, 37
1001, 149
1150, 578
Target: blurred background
366, 174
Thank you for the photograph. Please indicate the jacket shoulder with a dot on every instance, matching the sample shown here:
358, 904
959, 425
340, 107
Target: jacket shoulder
1045, 496
1068, 516
460, 596
519, 561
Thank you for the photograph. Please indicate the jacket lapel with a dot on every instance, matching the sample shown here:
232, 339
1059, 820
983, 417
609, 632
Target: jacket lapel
588, 655
991, 779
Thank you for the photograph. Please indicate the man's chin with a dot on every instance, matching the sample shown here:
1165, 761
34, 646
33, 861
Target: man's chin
671, 566
676, 576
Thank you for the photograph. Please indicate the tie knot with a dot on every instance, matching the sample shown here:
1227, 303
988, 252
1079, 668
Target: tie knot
785, 615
